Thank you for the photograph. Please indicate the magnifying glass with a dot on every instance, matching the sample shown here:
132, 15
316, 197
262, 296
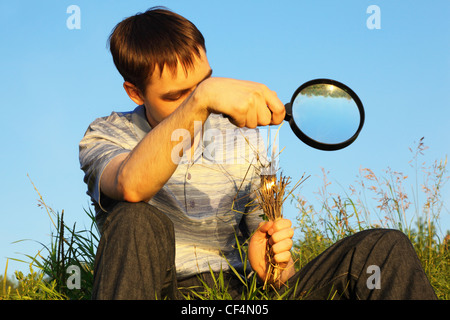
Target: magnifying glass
325, 114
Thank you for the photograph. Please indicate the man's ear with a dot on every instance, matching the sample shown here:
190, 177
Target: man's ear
134, 93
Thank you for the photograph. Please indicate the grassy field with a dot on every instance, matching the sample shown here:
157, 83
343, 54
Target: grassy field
376, 201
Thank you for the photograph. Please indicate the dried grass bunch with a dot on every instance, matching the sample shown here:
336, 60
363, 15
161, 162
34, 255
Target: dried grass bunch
271, 196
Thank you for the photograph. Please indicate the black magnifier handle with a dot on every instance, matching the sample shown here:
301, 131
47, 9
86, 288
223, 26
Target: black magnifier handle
288, 108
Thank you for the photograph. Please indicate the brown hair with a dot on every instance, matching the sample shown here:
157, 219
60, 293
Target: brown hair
155, 37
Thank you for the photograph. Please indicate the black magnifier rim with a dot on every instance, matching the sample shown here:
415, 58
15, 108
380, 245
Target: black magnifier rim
316, 144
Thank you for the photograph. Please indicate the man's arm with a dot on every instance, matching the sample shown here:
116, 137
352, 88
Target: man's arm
140, 174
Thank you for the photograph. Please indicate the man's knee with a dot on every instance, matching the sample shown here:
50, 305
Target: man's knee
136, 252
378, 233
139, 217
391, 235
387, 239
399, 239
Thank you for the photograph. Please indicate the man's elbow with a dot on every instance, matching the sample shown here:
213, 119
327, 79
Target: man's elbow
132, 188
131, 196
131, 193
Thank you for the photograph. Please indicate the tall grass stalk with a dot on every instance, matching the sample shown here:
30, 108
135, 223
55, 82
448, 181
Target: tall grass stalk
382, 200
68, 247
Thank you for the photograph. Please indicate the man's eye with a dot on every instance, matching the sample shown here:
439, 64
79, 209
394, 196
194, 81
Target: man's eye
175, 97
172, 98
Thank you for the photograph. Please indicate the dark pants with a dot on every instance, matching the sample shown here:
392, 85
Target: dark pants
136, 260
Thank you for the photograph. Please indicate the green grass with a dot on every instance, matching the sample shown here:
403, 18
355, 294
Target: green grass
383, 201
376, 201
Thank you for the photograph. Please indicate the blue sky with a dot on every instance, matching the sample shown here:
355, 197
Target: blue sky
55, 81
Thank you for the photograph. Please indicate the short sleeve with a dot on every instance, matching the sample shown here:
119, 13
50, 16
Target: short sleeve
104, 139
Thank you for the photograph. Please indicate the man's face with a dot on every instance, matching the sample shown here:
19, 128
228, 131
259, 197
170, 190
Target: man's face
166, 93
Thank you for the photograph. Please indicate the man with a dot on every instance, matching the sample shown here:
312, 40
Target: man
164, 223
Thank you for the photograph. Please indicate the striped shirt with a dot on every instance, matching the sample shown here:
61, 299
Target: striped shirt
208, 199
